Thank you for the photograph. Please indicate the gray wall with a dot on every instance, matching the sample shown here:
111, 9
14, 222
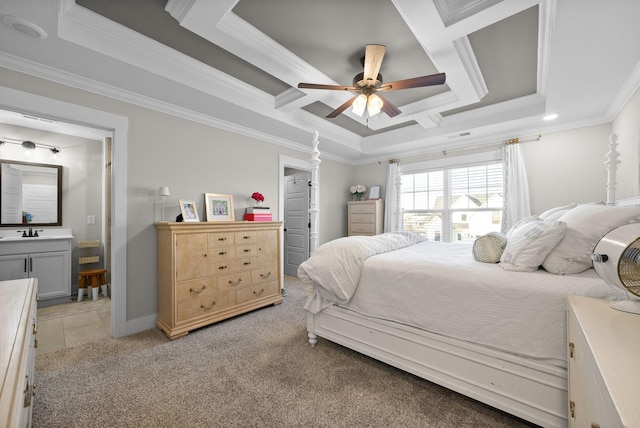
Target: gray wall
191, 159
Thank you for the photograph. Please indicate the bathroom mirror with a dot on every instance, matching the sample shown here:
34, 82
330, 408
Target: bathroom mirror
30, 190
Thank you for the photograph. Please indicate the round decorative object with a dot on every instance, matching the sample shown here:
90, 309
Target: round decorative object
488, 248
616, 259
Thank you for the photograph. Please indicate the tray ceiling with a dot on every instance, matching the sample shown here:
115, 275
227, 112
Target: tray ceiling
237, 64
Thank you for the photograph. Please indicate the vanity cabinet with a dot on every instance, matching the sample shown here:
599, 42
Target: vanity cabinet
603, 349
48, 259
18, 330
208, 272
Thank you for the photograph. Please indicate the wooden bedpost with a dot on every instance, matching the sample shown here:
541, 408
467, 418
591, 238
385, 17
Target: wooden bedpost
612, 167
314, 207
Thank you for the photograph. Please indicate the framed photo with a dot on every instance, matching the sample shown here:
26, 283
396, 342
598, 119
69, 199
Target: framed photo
188, 210
374, 192
219, 207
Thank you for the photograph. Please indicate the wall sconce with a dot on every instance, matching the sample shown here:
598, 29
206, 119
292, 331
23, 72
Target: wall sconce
164, 192
55, 154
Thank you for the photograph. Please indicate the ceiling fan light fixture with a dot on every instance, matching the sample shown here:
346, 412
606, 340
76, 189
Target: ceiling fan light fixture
374, 104
359, 104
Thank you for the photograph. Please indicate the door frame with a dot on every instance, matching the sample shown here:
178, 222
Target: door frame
37, 105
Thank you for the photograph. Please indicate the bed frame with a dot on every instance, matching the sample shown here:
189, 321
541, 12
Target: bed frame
528, 389
534, 391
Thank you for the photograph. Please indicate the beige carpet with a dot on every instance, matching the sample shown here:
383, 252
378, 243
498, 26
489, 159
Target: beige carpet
256, 370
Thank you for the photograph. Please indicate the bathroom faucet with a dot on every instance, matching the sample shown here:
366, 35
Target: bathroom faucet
32, 233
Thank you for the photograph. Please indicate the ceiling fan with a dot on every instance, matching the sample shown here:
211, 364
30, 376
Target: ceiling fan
369, 83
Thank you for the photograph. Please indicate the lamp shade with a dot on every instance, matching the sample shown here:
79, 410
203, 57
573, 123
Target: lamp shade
163, 191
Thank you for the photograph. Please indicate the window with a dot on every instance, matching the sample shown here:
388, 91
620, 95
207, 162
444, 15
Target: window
453, 204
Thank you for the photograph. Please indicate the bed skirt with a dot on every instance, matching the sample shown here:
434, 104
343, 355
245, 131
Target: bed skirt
522, 387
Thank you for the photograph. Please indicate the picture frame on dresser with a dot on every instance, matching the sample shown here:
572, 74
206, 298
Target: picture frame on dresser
218, 207
188, 210
374, 191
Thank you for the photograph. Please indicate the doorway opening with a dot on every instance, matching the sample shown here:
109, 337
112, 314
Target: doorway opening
294, 192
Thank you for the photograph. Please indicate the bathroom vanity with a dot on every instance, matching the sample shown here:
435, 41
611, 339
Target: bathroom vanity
46, 257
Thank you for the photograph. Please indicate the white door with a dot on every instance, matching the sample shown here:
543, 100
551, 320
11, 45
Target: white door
296, 221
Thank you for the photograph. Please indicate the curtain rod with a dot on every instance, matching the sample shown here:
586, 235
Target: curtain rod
463, 149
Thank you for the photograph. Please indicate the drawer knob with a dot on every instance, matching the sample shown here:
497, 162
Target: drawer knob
222, 267
35, 329
204, 287
572, 347
247, 263
235, 282
222, 253
208, 308
222, 239
258, 293
247, 250
246, 237
265, 275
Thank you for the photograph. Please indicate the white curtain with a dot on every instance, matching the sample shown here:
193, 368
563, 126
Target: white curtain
392, 211
516, 187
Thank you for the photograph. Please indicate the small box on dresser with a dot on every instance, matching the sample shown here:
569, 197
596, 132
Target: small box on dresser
210, 271
365, 217
603, 350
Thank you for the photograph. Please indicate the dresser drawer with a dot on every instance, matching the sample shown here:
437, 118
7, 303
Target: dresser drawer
264, 275
247, 237
257, 292
205, 305
246, 250
221, 238
234, 280
222, 253
362, 209
362, 218
363, 228
191, 289
233, 265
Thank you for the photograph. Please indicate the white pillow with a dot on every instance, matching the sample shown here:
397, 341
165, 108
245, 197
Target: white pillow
586, 225
557, 212
529, 244
520, 223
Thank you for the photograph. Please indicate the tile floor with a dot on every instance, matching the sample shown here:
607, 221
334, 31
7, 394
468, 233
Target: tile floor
74, 323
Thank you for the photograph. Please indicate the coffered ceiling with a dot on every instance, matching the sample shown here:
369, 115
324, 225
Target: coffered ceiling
237, 63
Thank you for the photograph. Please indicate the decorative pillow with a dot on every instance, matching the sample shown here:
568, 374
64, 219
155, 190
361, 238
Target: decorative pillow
586, 225
529, 244
488, 248
555, 213
520, 223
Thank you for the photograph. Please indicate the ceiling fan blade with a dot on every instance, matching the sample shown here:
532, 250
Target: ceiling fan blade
373, 56
320, 86
416, 82
342, 108
389, 108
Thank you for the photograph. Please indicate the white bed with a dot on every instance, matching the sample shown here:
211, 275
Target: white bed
429, 308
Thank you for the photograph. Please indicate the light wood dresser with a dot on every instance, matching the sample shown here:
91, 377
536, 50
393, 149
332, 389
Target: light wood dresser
365, 217
604, 379
210, 271
18, 330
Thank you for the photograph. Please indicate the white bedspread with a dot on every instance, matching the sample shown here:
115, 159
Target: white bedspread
439, 287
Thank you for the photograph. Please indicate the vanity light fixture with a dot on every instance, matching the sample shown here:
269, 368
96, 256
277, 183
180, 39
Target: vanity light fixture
164, 192
30, 146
